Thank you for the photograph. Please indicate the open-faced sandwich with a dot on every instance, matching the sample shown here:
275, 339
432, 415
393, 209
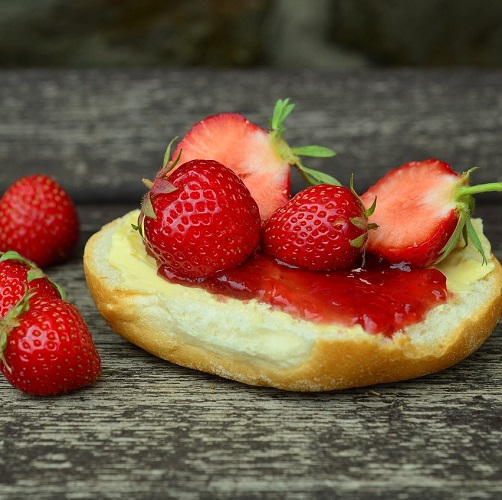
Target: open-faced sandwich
222, 271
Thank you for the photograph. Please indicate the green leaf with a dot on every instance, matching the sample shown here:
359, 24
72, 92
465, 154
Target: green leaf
3, 346
147, 207
473, 236
37, 273
167, 154
314, 151
453, 241
359, 222
12, 255
11, 321
138, 228
359, 241
461, 229
167, 167
316, 177
371, 210
34, 274
281, 111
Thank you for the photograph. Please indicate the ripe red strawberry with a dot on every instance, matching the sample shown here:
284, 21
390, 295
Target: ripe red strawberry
200, 221
17, 275
46, 348
38, 220
322, 228
423, 209
261, 158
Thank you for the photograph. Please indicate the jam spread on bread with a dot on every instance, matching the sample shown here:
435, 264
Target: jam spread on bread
231, 225
380, 297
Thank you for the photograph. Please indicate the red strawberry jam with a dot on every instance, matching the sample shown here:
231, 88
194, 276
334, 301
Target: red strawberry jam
381, 297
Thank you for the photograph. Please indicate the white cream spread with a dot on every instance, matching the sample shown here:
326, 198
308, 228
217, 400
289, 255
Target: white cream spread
461, 268
465, 265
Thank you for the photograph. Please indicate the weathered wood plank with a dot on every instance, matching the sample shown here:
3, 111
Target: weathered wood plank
149, 429
99, 133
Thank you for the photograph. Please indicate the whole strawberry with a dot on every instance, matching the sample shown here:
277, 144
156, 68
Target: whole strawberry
199, 221
17, 276
423, 210
322, 228
46, 348
38, 220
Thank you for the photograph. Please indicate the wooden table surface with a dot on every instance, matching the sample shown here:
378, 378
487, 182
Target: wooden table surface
149, 429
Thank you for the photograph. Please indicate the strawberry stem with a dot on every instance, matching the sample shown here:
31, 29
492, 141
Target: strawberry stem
314, 151
465, 205
480, 188
292, 155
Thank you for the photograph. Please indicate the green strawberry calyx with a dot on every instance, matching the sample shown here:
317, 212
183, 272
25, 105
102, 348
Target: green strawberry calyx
292, 156
11, 321
34, 271
160, 186
464, 201
362, 221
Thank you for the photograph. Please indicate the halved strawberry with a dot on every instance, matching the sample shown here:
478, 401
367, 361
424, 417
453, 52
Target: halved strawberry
423, 208
261, 158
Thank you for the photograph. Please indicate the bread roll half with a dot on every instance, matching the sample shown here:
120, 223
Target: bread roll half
251, 342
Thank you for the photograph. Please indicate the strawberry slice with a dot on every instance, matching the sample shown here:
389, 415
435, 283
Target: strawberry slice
423, 209
261, 158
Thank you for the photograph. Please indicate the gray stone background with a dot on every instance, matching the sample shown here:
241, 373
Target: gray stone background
295, 34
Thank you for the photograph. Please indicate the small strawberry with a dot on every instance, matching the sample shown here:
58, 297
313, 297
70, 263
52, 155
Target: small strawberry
423, 210
17, 275
46, 348
322, 228
200, 221
38, 220
261, 158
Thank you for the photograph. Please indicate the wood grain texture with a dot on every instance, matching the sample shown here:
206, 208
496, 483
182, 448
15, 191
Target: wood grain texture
100, 132
149, 429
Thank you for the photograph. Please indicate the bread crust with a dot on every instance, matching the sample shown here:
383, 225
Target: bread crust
334, 361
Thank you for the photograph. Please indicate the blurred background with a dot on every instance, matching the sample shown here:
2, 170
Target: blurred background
334, 34
82, 126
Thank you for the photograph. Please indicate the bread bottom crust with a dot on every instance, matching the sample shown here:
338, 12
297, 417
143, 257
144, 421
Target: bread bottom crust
327, 361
